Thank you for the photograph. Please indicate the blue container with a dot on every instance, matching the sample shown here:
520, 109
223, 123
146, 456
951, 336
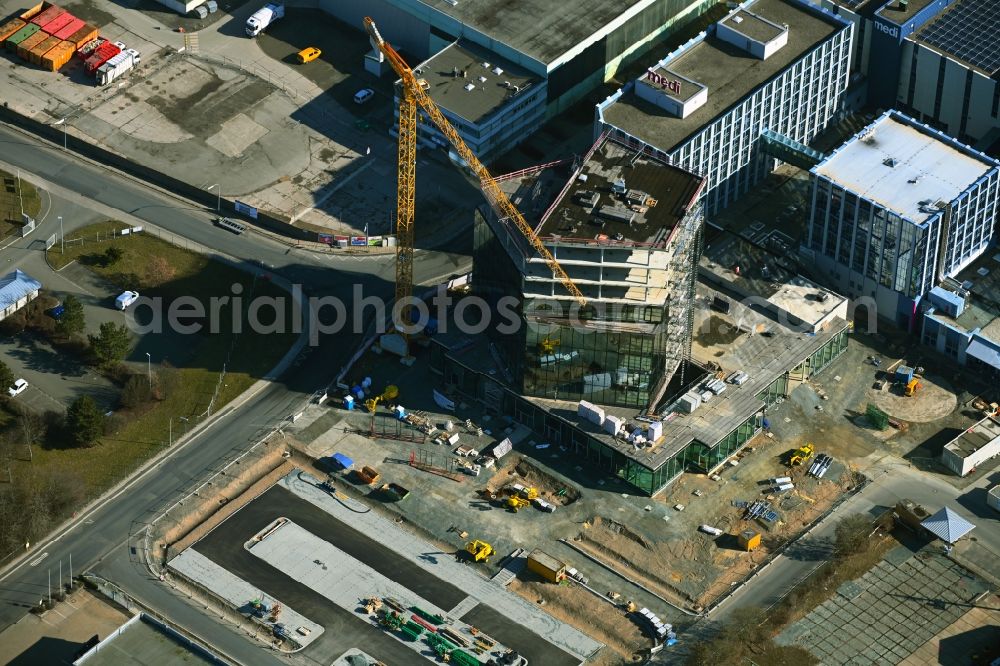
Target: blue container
904, 373
349, 402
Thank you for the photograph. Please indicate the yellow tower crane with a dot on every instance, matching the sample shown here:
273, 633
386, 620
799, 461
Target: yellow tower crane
413, 94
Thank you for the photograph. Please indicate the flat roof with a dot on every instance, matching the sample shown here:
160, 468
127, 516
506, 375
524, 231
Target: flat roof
143, 640
729, 73
891, 10
661, 195
976, 437
904, 168
752, 25
968, 32
485, 71
760, 275
541, 29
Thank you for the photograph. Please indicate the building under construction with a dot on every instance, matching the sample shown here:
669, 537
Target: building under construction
626, 229
639, 382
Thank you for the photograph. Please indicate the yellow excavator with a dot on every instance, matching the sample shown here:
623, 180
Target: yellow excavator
547, 346
514, 503
480, 550
911, 388
389, 393
801, 454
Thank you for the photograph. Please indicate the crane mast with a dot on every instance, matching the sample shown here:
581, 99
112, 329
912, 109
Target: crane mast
414, 95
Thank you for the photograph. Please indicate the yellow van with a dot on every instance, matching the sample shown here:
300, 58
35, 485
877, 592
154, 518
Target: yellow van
308, 54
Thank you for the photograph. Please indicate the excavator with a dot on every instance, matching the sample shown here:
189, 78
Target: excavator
547, 346
514, 503
801, 454
912, 387
480, 550
390, 393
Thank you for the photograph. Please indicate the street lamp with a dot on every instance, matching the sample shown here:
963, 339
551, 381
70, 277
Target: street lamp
170, 434
218, 199
149, 370
62, 121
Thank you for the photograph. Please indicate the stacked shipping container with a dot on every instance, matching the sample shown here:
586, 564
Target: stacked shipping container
47, 35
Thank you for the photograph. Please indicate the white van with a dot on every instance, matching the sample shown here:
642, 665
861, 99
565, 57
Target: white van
126, 299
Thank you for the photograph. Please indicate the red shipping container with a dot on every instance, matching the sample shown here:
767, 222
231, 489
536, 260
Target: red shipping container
48, 15
58, 23
67, 30
101, 55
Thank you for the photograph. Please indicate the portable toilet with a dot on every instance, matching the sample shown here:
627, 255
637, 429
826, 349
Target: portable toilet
749, 540
400, 412
349, 402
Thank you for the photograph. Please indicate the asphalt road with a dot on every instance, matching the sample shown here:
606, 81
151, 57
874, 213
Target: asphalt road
102, 534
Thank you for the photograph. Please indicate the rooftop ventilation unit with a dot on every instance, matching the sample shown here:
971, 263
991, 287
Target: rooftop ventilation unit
469, 87
506, 84
482, 79
486, 65
497, 71
890, 162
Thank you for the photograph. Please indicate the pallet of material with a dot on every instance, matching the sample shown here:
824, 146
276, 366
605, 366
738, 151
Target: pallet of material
10, 27
69, 29
47, 15
58, 56
15, 40
58, 23
36, 54
24, 48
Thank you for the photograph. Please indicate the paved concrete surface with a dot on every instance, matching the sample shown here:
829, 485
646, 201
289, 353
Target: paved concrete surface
102, 532
346, 581
517, 613
884, 616
972, 635
199, 569
56, 636
142, 642
217, 108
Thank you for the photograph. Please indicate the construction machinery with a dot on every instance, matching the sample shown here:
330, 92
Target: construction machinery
480, 550
548, 346
912, 387
801, 454
390, 393
514, 503
414, 94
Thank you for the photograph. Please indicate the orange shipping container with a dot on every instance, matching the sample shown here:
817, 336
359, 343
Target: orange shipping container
44, 47
29, 14
87, 33
58, 56
10, 27
24, 48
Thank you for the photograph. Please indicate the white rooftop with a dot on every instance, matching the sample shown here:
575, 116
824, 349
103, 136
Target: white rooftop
924, 167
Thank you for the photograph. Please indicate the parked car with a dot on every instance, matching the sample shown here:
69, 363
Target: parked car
308, 54
363, 95
126, 299
18, 388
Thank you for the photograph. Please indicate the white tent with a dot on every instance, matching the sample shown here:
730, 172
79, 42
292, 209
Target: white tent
948, 525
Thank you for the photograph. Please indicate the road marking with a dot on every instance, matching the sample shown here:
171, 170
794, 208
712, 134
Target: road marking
35, 562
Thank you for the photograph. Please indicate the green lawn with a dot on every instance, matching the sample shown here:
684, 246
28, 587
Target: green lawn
10, 202
250, 355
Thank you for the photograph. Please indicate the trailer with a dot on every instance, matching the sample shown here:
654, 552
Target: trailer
117, 66
993, 498
103, 53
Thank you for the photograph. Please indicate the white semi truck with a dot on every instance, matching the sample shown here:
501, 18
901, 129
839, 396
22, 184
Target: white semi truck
264, 17
117, 66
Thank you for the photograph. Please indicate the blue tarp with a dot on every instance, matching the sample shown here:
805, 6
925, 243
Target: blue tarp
979, 350
342, 460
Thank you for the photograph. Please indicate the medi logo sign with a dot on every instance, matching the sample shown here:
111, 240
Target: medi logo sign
891, 30
673, 85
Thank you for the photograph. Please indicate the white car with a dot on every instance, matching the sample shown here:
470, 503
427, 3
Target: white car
363, 95
126, 299
19, 386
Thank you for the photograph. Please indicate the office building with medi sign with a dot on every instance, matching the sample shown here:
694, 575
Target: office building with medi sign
936, 60
756, 87
898, 209
556, 51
